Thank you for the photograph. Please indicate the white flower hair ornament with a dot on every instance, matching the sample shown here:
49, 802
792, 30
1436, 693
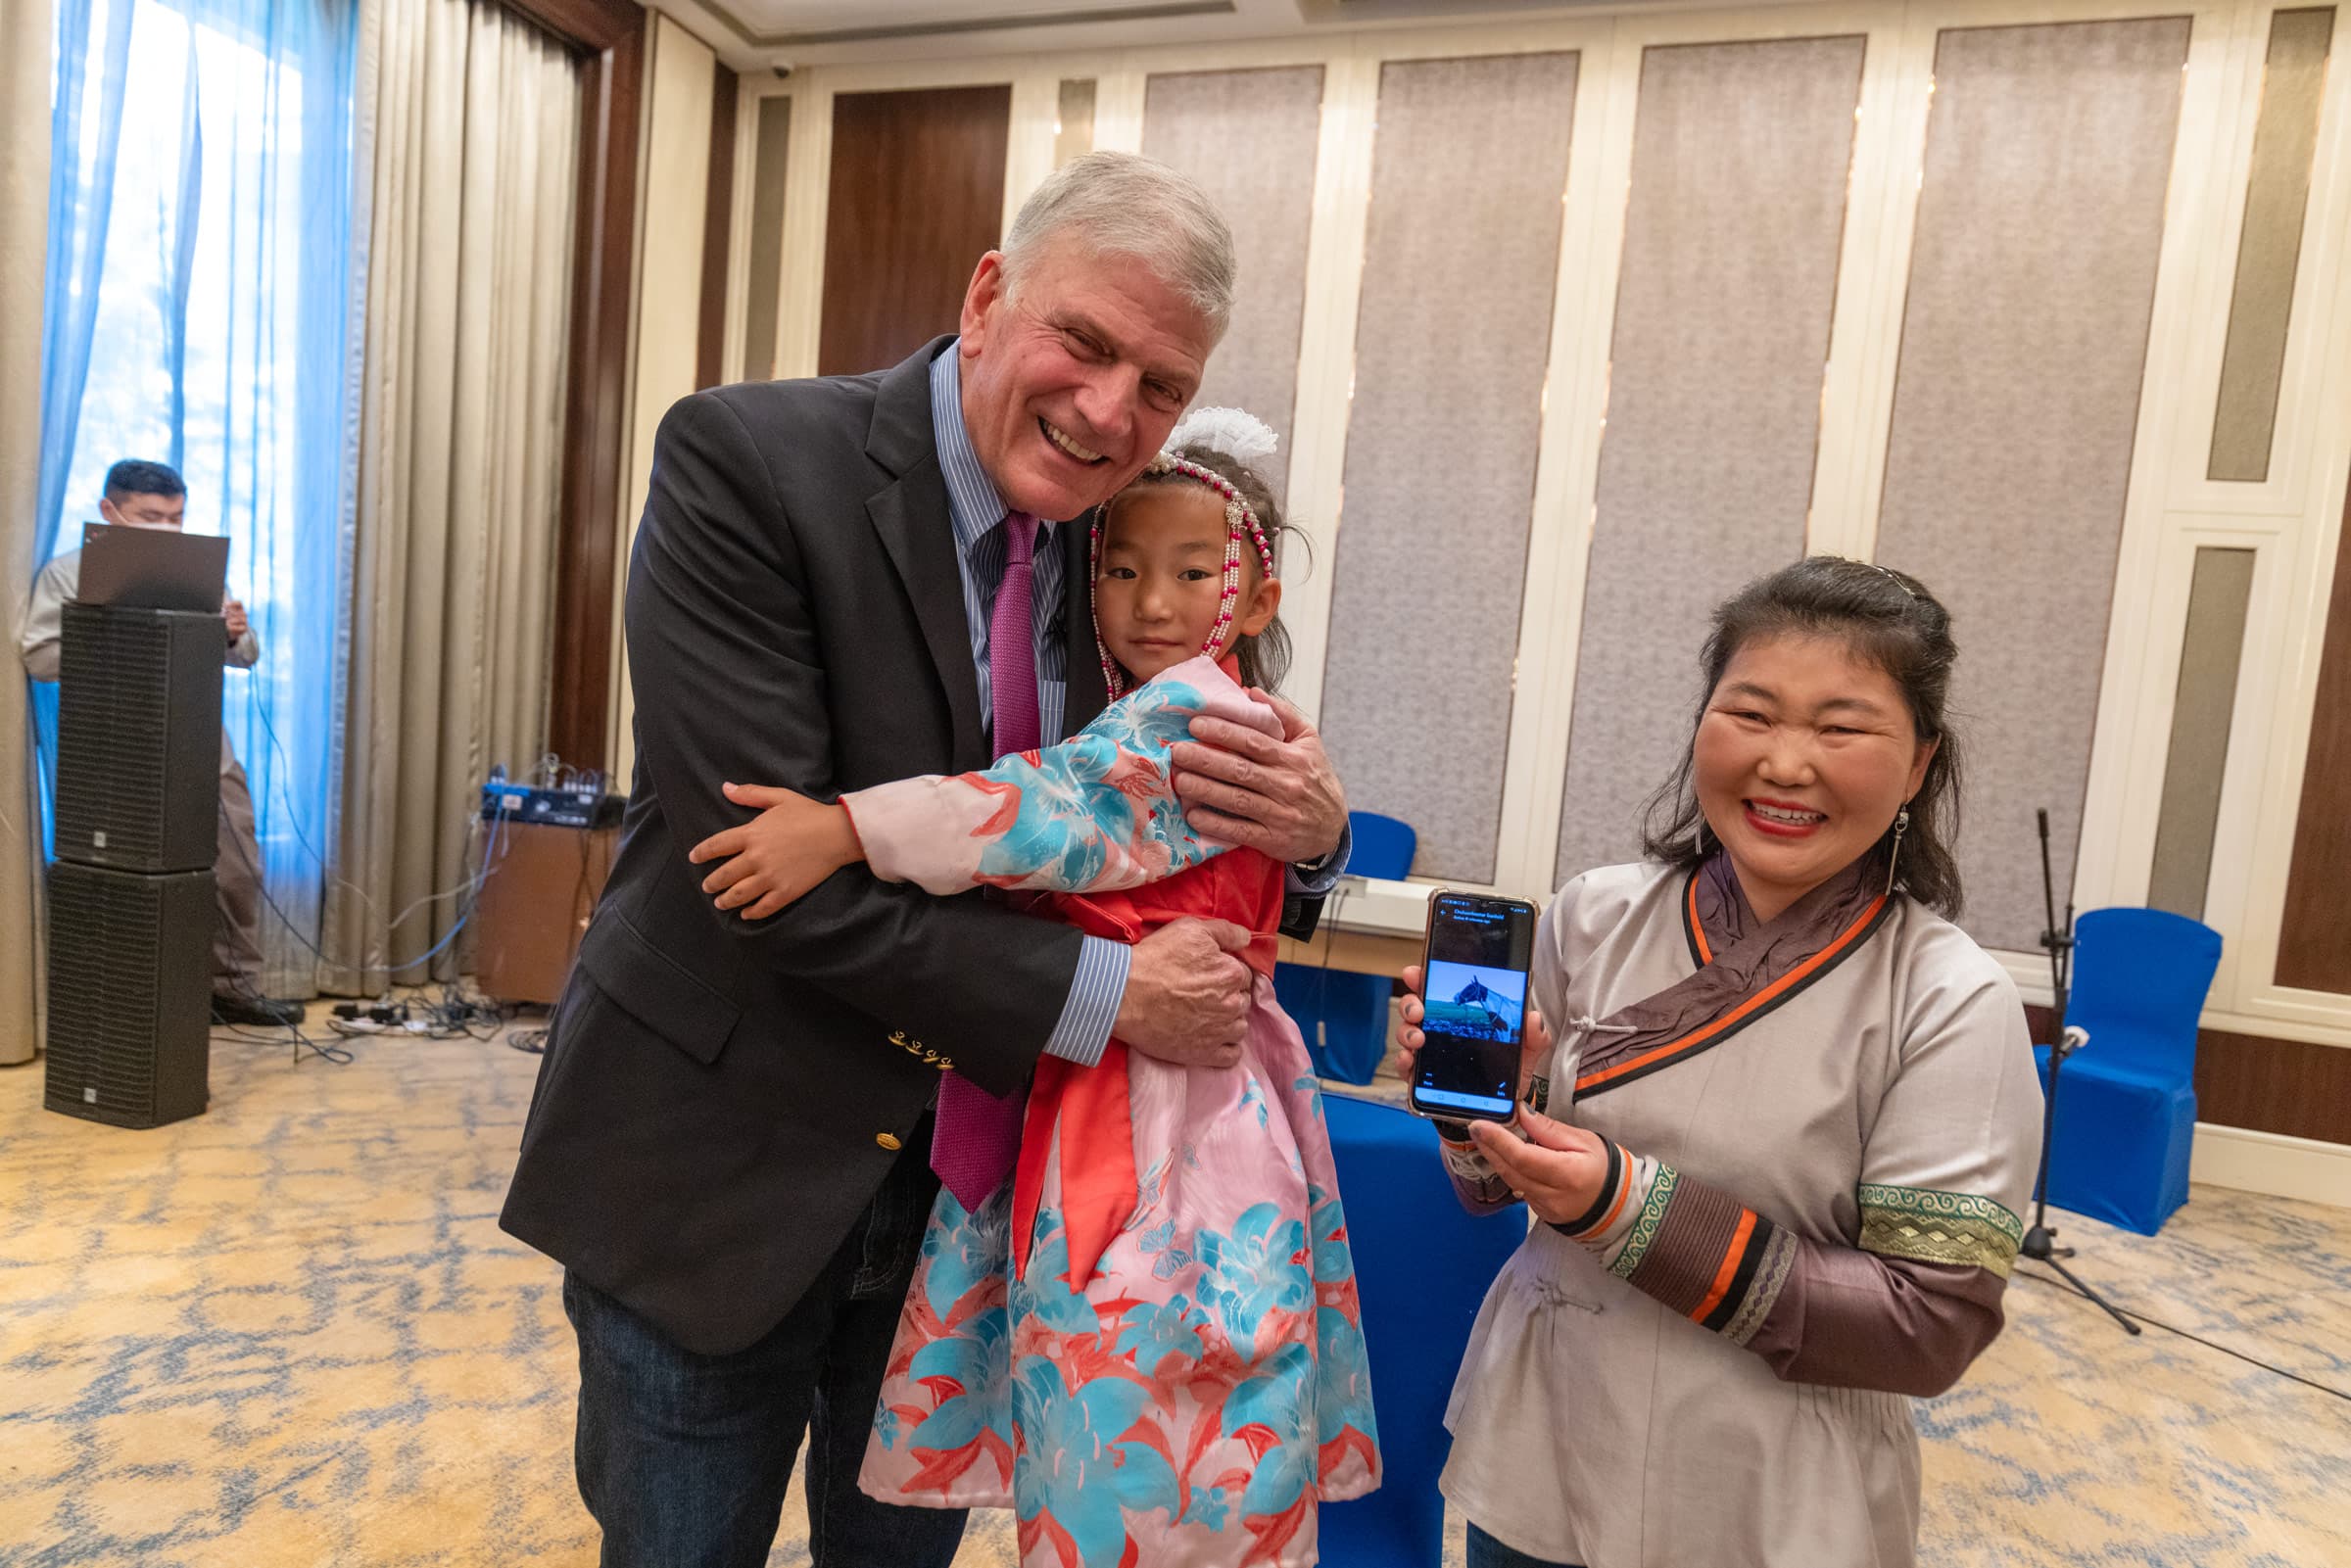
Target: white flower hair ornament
1236, 433
1232, 433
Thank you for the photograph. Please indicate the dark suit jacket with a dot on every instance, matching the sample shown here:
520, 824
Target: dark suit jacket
720, 1099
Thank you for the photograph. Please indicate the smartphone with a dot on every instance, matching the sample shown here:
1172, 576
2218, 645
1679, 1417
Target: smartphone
1473, 987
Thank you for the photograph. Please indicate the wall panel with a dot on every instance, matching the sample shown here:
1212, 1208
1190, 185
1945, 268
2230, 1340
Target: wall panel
2313, 946
2268, 253
1741, 156
2204, 709
1073, 119
1452, 338
917, 197
1249, 137
2041, 217
718, 213
771, 152
2285, 1086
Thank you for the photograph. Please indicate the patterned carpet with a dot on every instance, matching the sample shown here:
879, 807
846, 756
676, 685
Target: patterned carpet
289, 1332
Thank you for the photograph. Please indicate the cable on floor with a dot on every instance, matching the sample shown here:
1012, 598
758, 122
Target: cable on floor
2141, 1317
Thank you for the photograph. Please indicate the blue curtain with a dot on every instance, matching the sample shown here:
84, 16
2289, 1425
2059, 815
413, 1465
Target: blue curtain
201, 311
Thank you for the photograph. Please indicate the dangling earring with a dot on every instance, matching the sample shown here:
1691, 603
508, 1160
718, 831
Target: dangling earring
1701, 840
1902, 826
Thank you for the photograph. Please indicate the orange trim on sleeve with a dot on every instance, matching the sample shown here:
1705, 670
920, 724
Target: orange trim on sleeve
1624, 1184
1729, 1269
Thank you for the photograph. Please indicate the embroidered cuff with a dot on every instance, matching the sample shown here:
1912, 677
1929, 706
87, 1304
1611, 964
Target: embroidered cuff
1608, 1226
1705, 1255
1928, 1226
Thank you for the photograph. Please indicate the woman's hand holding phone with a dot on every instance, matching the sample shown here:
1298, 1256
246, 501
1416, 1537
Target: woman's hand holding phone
1557, 1168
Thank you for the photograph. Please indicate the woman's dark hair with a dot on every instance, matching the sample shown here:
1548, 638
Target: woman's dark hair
1266, 657
1888, 619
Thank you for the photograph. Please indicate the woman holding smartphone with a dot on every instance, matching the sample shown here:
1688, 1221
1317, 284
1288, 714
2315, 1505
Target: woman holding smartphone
1792, 1123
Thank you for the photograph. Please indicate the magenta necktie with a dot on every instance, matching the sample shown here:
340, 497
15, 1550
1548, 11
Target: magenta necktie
977, 1136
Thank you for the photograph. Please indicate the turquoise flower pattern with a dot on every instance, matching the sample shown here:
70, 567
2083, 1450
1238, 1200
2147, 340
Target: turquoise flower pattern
961, 1251
1151, 1332
1099, 810
1081, 1473
1254, 1270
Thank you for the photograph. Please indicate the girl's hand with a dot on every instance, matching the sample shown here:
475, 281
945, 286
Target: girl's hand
1557, 1170
791, 846
1533, 1056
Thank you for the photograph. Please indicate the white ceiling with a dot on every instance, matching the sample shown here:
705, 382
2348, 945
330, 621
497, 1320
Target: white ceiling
759, 34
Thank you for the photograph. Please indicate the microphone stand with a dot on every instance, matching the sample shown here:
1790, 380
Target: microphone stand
2040, 1239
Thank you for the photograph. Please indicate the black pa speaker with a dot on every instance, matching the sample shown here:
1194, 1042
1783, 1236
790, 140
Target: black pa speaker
138, 738
130, 994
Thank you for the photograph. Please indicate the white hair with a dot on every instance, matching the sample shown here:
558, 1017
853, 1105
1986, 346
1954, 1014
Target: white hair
1119, 204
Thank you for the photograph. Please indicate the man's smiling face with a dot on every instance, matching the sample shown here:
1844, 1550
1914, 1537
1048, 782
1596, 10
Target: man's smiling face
1074, 372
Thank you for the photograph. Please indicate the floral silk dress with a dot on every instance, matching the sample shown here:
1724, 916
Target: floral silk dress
1147, 1343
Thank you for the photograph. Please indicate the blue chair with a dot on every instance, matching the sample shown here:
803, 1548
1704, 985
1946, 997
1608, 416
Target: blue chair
2126, 1101
1344, 1016
1422, 1267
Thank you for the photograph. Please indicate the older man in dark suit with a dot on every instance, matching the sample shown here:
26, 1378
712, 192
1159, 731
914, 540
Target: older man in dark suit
839, 582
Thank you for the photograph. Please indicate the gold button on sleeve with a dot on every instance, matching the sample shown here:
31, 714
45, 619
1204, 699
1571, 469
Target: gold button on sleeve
887, 1140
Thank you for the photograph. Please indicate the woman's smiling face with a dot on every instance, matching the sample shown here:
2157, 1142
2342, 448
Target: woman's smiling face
1802, 757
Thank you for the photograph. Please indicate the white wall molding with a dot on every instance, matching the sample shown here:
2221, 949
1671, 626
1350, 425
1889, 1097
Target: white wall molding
1334, 268
665, 312
2271, 1163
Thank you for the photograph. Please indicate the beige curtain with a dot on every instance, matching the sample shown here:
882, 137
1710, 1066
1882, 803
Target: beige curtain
24, 236
475, 118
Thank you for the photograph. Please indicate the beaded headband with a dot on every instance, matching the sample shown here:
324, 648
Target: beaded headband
1239, 431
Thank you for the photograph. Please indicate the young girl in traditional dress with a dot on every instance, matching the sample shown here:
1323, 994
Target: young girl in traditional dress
1146, 1343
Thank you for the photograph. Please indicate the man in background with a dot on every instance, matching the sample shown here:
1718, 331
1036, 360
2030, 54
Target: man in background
151, 495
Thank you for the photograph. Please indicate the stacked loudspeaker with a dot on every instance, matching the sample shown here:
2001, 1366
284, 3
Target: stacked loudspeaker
131, 905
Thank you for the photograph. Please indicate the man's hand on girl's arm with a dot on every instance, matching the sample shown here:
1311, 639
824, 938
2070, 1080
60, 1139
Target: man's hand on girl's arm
1245, 788
1188, 994
792, 846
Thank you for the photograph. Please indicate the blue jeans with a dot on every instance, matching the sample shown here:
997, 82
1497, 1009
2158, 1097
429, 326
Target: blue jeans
1487, 1552
684, 1458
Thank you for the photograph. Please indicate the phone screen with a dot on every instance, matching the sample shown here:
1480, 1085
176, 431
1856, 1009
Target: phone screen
1474, 990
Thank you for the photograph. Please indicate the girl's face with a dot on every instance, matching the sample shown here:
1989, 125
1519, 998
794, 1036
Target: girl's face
1163, 571
1802, 757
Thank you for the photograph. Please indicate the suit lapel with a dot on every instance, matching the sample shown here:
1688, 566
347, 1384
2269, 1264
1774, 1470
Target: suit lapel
910, 514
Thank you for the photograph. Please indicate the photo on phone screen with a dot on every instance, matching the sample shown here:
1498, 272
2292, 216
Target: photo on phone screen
1474, 993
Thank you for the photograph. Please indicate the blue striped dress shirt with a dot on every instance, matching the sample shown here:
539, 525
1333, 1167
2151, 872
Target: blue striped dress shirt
977, 512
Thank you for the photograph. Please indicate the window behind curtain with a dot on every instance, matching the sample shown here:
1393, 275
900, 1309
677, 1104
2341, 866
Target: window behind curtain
220, 238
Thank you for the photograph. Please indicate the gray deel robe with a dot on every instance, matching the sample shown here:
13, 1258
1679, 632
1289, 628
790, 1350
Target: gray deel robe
1822, 1148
